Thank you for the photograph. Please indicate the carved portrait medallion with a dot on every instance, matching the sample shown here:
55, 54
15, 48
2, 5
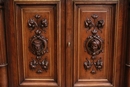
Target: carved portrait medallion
38, 44
93, 45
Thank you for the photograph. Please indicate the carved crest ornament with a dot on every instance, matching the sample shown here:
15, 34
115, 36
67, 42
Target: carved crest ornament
93, 44
38, 44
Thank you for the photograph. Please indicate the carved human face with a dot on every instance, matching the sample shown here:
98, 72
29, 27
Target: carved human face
38, 45
94, 45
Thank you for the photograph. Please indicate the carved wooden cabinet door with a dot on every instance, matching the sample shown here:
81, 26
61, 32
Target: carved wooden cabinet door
98, 37
65, 43
35, 49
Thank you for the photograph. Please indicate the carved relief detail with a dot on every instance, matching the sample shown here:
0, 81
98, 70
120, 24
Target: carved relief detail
99, 24
98, 65
94, 44
87, 64
33, 23
38, 44
36, 63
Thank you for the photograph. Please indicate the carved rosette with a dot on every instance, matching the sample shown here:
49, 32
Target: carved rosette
38, 44
93, 44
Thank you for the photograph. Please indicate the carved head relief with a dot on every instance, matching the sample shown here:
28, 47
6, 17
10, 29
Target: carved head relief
93, 45
38, 44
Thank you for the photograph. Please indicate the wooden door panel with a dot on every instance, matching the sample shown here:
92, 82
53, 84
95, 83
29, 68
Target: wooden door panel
38, 44
94, 41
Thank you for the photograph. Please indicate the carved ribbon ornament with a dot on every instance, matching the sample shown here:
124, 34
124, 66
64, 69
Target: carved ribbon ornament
38, 44
94, 44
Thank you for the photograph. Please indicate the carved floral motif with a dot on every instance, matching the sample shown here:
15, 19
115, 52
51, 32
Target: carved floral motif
88, 24
89, 64
43, 64
99, 24
94, 43
38, 44
32, 23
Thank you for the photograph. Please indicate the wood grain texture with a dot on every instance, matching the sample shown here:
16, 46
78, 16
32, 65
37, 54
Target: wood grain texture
36, 0
3, 60
65, 42
69, 39
95, 0
127, 69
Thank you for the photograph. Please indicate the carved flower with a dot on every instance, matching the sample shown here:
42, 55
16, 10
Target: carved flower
88, 24
37, 16
32, 24
44, 23
99, 64
94, 16
100, 24
33, 64
44, 64
87, 64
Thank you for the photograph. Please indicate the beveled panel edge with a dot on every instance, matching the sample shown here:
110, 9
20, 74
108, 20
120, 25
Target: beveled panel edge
36, 0
77, 2
54, 84
99, 82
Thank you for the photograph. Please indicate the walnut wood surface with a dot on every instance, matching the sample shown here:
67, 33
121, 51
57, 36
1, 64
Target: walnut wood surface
66, 34
3, 61
127, 74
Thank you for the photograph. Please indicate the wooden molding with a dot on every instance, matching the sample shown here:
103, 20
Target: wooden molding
36, 0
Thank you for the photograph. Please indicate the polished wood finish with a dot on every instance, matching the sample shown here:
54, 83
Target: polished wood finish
103, 77
114, 44
26, 77
3, 60
66, 57
127, 74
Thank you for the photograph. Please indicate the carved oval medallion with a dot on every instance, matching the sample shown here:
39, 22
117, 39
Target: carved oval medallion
93, 45
38, 44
